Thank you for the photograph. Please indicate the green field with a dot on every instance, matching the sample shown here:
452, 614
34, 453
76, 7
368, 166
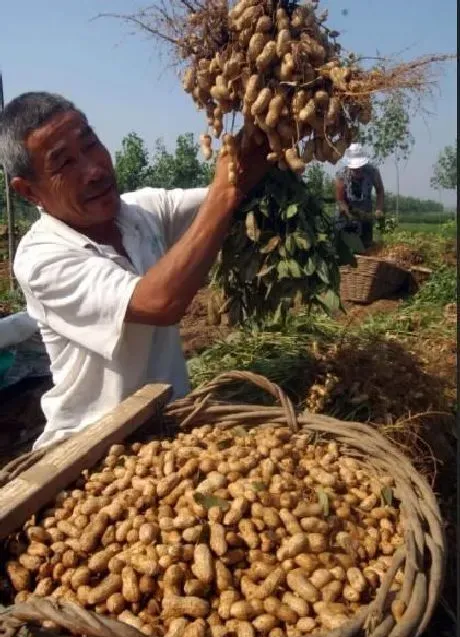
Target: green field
447, 229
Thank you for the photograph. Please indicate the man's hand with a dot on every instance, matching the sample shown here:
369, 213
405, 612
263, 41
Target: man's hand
344, 209
164, 292
379, 214
250, 167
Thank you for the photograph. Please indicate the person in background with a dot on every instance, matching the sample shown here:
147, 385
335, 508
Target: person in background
353, 191
108, 277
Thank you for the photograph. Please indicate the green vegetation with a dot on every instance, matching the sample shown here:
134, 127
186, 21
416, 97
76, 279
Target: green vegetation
445, 170
447, 229
434, 248
182, 168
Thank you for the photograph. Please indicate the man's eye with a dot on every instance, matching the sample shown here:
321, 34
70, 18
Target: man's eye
67, 162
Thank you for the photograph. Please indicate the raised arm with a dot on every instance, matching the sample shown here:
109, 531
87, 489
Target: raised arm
340, 196
163, 294
379, 194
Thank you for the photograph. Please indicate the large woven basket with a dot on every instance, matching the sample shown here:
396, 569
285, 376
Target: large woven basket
371, 280
422, 556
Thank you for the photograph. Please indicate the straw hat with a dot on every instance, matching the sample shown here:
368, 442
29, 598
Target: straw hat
355, 157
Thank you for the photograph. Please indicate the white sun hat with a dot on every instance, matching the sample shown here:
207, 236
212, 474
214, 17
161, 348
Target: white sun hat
355, 156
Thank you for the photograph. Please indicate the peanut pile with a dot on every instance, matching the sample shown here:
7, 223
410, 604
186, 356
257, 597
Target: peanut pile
282, 70
217, 532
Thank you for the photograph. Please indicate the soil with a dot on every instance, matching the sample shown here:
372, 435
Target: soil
21, 414
196, 333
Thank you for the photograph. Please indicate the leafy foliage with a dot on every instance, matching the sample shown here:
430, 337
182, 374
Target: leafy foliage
445, 169
23, 210
179, 169
282, 251
131, 163
389, 134
412, 205
440, 289
319, 184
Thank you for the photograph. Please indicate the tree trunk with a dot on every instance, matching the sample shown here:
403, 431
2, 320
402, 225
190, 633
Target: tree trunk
11, 231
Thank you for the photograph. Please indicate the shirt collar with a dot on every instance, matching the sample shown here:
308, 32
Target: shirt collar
56, 226
51, 224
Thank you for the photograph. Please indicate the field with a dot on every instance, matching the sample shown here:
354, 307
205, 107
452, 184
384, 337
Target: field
447, 229
391, 364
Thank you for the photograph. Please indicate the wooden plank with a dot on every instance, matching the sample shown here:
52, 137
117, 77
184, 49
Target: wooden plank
62, 465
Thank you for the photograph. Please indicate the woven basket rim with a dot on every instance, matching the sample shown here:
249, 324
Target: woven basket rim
424, 538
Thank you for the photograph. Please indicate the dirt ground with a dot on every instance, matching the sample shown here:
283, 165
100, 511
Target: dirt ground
21, 416
196, 334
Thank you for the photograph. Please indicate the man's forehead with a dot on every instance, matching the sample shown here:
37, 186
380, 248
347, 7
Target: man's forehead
56, 132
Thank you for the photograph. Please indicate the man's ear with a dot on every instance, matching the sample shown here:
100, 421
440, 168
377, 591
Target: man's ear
24, 189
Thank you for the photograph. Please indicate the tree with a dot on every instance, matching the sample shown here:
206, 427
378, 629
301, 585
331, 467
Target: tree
389, 134
314, 177
23, 210
131, 163
181, 169
445, 169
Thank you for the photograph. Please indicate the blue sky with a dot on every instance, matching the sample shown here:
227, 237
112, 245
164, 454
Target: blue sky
123, 85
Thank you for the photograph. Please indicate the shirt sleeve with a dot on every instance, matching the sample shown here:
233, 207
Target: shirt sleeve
175, 209
78, 293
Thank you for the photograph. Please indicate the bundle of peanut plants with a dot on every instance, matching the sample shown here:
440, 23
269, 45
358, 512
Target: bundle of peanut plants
277, 69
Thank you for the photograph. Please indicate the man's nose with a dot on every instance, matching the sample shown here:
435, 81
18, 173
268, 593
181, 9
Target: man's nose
92, 171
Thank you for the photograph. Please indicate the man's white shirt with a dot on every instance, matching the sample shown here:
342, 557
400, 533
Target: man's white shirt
79, 291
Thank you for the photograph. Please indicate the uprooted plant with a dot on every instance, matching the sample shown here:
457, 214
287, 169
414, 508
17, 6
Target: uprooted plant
275, 67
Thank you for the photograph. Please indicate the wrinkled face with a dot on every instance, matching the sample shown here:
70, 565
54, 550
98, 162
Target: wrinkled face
73, 176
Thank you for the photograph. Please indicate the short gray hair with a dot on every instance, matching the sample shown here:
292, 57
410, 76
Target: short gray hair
22, 116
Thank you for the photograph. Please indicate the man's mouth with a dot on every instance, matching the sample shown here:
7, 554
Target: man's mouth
101, 193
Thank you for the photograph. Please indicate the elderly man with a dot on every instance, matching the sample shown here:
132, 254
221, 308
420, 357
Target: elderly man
354, 185
108, 278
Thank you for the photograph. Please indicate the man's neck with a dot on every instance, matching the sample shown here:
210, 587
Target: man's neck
103, 233
106, 233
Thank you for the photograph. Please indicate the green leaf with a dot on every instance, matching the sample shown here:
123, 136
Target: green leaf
387, 496
310, 267
292, 210
290, 244
271, 245
259, 486
266, 269
321, 237
209, 501
282, 251
321, 269
277, 318
331, 301
252, 230
302, 240
264, 206
294, 269
353, 242
225, 444
283, 270
323, 500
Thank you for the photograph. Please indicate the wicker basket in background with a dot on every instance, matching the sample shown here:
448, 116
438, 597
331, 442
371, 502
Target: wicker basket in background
371, 280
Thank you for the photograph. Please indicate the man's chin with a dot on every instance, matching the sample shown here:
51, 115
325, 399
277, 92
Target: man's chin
103, 208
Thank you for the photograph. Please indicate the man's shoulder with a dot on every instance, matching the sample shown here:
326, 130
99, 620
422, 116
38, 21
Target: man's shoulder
45, 241
150, 199
371, 169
